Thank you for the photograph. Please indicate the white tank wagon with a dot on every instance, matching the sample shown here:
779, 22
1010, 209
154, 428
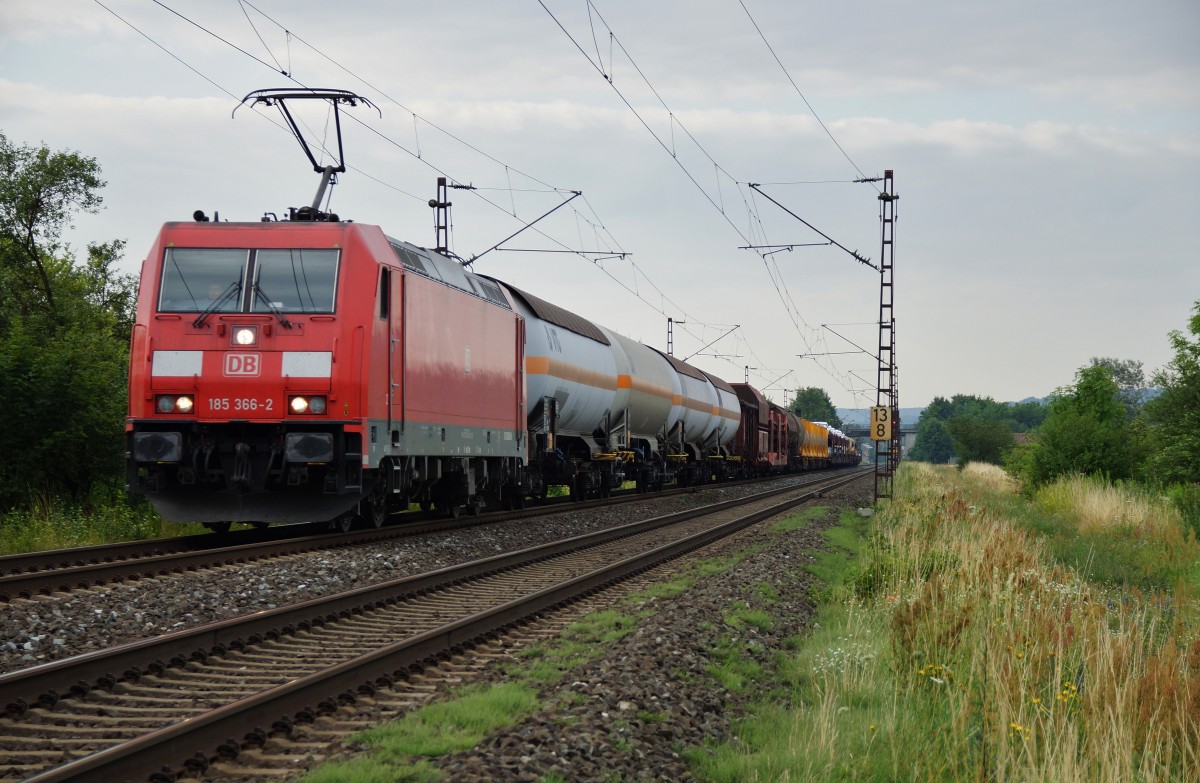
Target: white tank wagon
728, 412
604, 409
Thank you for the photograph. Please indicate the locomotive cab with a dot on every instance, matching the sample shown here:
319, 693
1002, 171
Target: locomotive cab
232, 376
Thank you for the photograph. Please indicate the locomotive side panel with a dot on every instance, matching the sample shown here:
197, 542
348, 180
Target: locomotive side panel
460, 358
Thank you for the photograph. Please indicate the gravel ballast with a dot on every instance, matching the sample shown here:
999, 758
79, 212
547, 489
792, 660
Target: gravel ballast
49, 628
629, 713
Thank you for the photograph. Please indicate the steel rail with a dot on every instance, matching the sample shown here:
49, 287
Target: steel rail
132, 659
173, 743
36, 574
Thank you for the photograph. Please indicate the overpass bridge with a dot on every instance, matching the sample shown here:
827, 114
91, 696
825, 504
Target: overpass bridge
908, 436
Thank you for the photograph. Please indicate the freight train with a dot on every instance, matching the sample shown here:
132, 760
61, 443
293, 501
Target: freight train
303, 370
313, 368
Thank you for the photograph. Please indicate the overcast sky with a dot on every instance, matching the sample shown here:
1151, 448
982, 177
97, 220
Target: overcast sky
1047, 158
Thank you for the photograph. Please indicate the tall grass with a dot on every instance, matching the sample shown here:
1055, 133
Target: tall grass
1096, 506
963, 649
1117, 535
50, 523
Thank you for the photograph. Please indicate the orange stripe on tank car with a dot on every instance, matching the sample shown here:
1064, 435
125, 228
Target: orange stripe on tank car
544, 365
676, 399
645, 387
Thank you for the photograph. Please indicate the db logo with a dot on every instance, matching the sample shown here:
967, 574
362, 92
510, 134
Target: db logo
241, 364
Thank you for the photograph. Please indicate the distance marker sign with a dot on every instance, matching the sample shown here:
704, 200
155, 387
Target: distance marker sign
881, 423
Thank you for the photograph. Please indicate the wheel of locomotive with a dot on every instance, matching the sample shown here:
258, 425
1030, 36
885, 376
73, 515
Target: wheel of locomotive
345, 523
378, 512
220, 528
474, 507
426, 504
513, 497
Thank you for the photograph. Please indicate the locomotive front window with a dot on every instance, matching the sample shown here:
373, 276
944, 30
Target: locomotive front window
195, 280
295, 281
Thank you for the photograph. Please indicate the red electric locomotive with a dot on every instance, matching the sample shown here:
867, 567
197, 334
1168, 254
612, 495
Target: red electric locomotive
283, 371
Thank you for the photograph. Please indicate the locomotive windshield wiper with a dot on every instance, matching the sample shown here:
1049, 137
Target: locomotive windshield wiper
235, 288
262, 297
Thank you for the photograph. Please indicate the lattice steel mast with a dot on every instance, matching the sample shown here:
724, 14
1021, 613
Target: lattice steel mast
887, 452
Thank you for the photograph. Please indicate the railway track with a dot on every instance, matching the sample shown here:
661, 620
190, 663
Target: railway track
125, 712
43, 573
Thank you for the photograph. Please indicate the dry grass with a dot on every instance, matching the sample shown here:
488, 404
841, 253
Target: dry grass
1058, 680
992, 476
961, 649
1095, 506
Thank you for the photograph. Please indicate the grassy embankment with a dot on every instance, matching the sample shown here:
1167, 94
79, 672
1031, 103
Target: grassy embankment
978, 635
54, 524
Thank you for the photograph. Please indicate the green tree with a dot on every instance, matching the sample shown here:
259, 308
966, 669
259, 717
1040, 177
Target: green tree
1027, 416
814, 404
984, 428
933, 442
1174, 415
1130, 380
64, 331
977, 439
39, 195
1086, 431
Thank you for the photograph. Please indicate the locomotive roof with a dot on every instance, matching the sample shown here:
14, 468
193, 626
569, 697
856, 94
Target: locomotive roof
557, 315
434, 265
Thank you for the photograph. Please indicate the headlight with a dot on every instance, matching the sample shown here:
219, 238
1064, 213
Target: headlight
300, 405
245, 335
171, 403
